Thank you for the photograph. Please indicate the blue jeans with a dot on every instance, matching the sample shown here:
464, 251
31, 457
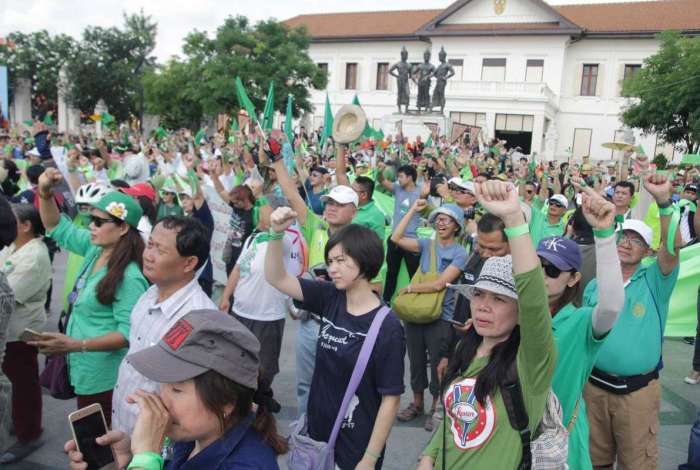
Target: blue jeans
693, 448
307, 337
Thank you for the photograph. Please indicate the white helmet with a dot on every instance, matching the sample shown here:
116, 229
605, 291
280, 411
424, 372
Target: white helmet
90, 193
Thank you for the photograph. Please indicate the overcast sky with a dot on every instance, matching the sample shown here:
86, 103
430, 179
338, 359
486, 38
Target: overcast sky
176, 18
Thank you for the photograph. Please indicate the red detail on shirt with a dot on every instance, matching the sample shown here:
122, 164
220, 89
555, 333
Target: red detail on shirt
178, 334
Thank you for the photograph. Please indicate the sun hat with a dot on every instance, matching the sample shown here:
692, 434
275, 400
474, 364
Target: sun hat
120, 206
639, 227
561, 199
452, 210
342, 195
141, 189
561, 252
200, 341
496, 276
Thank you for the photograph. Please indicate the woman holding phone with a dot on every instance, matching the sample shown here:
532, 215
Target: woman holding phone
108, 285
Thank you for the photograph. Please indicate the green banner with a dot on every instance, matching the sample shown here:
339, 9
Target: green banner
682, 314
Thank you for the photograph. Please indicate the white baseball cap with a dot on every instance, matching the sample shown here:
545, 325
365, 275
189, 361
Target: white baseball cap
342, 195
457, 181
561, 199
637, 226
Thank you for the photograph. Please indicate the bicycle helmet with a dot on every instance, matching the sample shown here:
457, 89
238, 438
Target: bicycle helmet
90, 193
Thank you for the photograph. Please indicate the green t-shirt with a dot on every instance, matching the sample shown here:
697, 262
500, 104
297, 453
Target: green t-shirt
165, 210
540, 227
372, 217
634, 345
577, 350
480, 435
315, 232
96, 372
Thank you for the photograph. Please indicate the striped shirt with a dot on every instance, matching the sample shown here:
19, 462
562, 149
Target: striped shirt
150, 320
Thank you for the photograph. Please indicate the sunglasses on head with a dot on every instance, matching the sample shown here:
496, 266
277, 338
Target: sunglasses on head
99, 221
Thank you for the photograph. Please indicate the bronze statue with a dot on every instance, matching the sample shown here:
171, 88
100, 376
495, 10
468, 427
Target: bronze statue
443, 73
423, 75
402, 71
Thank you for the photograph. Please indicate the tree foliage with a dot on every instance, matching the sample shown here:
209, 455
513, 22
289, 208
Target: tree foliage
667, 92
202, 84
38, 56
108, 64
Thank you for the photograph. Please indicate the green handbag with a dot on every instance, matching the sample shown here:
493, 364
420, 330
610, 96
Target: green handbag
421, 308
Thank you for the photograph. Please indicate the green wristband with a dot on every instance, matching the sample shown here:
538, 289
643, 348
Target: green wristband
604, 233
147, 461
666, 210
512, 232
275, 235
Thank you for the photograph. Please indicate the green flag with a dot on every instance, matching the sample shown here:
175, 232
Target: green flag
288, 120
107, 118
269, 111
356, 101
327, 123
28, 123
48, 120
244, 101
161, 133
199, 136
429, 142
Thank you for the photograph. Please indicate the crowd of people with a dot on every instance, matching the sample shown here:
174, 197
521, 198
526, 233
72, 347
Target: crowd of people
529, 297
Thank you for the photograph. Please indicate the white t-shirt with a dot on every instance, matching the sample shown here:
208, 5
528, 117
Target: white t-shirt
254, 297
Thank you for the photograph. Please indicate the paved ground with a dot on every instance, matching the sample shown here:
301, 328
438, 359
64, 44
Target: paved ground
678, 409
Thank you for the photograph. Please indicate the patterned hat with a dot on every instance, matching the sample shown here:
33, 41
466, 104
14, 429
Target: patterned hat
121, 206
496, 276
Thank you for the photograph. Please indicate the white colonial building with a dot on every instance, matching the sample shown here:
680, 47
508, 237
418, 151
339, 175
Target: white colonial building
542, 77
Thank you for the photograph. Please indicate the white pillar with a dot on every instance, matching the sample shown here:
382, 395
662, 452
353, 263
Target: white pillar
22, 101
537, 132
100, 108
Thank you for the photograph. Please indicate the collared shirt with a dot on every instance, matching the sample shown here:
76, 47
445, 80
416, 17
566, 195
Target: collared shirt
150, 320
372, 217
28, 270
240, 448
633, 346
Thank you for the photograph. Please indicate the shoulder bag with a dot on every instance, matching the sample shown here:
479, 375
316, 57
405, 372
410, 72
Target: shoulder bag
422, 307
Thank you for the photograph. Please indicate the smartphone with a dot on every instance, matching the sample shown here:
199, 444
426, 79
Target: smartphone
321, 272
87, 424
30, 335
455, 322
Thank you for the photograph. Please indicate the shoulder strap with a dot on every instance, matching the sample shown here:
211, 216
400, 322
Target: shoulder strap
359, 370
512, 395
433, 256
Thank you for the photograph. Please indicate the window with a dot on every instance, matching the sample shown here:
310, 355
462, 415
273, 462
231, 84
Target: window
383, 76
589, 79
351, 76
514, 122
582, 143
631, 70
473, 119
534, 70
458, 66
493, 70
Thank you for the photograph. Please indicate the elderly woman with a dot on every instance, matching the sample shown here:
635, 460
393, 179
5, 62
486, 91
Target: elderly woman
28, 269
108, 285
205, 404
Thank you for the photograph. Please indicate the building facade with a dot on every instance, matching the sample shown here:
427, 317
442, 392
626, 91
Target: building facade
547, 79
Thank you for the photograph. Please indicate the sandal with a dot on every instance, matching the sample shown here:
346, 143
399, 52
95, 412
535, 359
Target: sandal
429, 425
409, 413
19, 451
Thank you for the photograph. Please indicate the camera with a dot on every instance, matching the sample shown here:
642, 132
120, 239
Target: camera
434, 182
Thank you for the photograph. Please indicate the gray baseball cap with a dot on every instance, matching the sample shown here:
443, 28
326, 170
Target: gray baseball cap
200, 341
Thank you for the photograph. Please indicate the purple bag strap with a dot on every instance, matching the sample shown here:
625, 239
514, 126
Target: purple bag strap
359, 370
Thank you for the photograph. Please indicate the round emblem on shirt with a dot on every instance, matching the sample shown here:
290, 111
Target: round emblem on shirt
638, 310
471, 423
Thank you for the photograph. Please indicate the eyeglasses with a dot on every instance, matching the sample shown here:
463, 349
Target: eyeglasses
632, 241
529, 191
550, 270
443, 220
99, 221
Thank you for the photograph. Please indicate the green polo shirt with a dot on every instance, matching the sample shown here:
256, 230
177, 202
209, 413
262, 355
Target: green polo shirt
96, 372
371, 217
540, 227
634, 345
577, 351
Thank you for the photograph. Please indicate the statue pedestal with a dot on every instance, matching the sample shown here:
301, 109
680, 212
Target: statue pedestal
413, 124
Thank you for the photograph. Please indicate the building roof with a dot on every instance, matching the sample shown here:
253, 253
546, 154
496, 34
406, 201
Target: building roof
642, 18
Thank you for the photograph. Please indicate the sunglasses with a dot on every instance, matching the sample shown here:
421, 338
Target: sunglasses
457, 189
99, 221
550, 270
556, 204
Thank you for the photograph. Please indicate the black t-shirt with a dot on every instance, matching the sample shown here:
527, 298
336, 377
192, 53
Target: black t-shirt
337, 349
241, 225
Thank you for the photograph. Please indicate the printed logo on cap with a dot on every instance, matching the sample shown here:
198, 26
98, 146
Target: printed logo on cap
553, 244
472, 423
178, 334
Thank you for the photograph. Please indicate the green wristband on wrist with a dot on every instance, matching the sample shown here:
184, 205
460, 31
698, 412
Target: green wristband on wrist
373, 455
147, 461
512, 232
275, 235
604, 233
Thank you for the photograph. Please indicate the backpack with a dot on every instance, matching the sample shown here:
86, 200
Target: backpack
549, 449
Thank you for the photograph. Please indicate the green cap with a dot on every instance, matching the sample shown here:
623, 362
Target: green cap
121, 206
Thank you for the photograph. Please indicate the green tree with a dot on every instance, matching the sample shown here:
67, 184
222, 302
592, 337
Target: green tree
109, 63
666, 92
38, 56
260, 53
